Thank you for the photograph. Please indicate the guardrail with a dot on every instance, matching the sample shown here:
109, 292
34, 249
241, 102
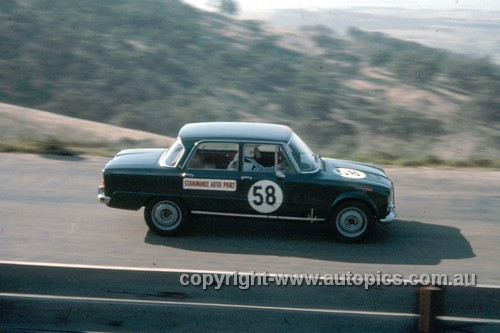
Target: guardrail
457, 304
48, 297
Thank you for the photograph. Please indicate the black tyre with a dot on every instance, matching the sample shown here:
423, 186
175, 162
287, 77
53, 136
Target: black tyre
166, 217
351, 222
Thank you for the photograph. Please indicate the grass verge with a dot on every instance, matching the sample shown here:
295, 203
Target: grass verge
54, 146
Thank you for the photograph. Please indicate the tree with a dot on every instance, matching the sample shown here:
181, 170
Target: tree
228, 6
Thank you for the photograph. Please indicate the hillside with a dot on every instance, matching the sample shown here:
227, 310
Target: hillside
23, 126
468, 31
155, 65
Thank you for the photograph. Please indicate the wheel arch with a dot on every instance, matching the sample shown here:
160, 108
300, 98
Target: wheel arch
157, 197
354, 197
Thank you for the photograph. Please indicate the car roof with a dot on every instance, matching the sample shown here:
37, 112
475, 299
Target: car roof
236, 130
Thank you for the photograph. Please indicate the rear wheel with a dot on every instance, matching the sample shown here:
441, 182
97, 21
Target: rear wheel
166, 217
351, 221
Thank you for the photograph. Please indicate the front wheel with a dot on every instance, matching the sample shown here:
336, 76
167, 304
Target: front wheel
351, 222
165, 217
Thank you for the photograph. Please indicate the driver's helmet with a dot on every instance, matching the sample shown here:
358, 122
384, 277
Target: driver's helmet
250, 150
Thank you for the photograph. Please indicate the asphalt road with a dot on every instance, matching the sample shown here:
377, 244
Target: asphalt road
448, 223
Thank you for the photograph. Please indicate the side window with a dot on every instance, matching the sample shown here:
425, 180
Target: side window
214, 156
265, 158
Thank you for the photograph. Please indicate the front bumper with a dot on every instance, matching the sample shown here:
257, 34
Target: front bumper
101, 196
391, 216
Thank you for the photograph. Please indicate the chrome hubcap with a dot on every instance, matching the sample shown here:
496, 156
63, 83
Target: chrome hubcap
166, 215
351, 222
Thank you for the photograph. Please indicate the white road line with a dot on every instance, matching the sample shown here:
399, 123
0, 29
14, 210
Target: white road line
118, 268
469, 320
182, 270
236, 306
198, 304
488, 286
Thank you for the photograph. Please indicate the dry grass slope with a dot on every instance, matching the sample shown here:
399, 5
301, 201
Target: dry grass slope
30, 130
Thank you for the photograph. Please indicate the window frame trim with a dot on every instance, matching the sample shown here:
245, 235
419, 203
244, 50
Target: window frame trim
240, 143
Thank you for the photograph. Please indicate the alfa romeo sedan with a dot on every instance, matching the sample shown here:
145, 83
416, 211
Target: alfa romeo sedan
247, 170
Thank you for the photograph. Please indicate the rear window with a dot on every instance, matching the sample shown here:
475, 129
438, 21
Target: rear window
173, 155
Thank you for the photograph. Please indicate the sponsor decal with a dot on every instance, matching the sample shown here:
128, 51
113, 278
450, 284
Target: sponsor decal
209, 184
350, 173
265, 196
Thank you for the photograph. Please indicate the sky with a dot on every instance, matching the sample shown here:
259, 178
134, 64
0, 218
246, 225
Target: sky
248, 6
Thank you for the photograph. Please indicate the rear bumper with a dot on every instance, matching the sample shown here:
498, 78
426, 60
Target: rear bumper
101, 196
391, 216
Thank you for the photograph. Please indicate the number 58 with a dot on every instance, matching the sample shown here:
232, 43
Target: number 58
268, 196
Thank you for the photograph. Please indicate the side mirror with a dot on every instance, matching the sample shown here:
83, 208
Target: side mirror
280, 174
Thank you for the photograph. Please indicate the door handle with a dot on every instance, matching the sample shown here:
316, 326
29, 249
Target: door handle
246, 178
187, 174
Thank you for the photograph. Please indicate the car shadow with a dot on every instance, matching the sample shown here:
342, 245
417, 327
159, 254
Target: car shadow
402, 243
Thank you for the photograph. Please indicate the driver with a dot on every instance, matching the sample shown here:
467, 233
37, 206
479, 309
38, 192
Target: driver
251, 158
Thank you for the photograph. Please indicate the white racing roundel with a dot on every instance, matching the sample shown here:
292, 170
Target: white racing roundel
265, 196
350, 173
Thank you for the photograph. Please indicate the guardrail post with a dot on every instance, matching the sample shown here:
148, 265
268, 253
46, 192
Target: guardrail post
428, 307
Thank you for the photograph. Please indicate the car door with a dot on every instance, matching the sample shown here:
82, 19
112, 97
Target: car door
263, 191
209, 178
276, 190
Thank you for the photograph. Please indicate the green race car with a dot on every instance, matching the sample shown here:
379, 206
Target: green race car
247, 170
